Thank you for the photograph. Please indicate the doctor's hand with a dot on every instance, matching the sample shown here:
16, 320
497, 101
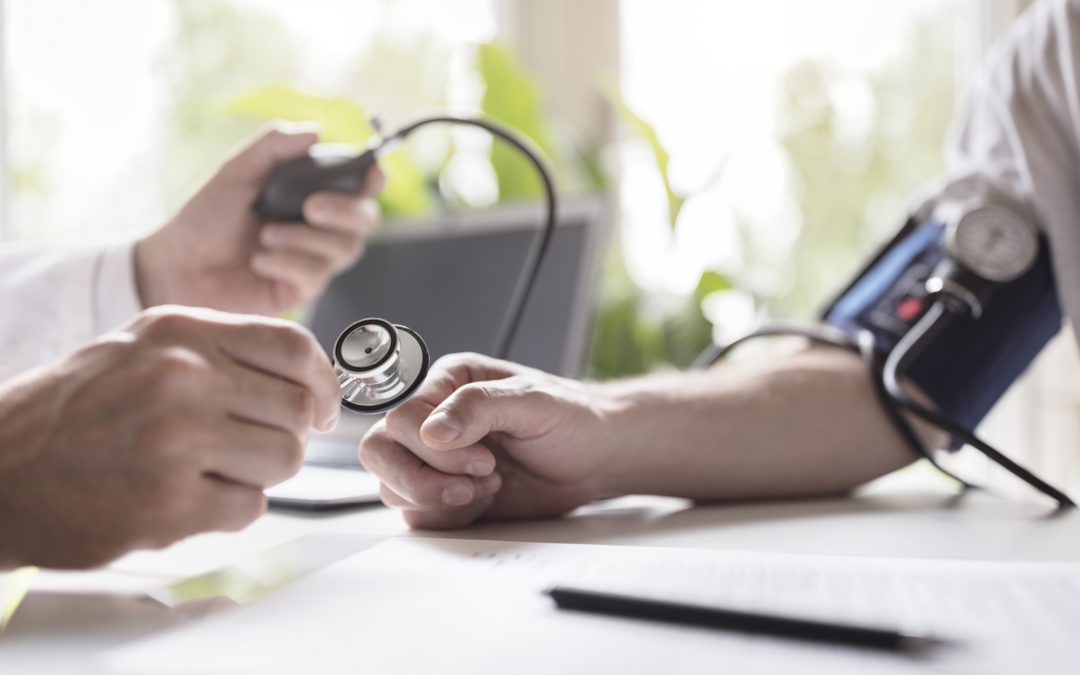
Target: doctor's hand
215, 253
171, 425
488, 439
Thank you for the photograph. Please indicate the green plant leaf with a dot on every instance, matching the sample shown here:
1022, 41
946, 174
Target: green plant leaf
406, 192
643, 129
711, 282
512, 96
341, 120
687, 332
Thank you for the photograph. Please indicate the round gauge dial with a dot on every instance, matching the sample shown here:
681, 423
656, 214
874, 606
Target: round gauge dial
994, 243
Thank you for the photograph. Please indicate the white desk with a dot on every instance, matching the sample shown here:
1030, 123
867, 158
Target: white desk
53, 632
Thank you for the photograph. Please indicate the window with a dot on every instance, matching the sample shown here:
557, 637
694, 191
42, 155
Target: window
116, 108
798, 129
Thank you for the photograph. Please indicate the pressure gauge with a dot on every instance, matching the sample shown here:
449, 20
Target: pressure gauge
993, 242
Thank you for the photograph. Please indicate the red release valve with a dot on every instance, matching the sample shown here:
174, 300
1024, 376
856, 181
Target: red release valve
909, 309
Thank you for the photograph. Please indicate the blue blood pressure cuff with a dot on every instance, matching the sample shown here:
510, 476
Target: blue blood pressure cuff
974, 361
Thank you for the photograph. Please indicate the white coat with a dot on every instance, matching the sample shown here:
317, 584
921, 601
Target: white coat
54, 299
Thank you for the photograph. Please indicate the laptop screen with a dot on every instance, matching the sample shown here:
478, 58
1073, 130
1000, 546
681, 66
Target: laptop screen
452, 282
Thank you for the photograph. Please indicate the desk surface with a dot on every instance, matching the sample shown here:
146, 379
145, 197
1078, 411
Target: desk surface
52, 632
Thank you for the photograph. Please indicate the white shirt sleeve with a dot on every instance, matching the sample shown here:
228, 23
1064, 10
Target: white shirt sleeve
1018, 143
54, 299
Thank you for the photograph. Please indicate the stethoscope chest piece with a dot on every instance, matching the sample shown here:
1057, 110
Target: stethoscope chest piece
379, 365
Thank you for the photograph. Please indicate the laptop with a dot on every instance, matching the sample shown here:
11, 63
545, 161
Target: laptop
450, 278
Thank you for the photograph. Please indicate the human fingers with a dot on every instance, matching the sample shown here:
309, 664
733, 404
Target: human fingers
252, 454
444, 519
254, 396
285, 350
374, 182
450, 373
514, 405
276, 347
306, 273
454, 370
342, 212
337, 250
283, 141
403, 425
447, 375
224, 505
182, 505
410, 477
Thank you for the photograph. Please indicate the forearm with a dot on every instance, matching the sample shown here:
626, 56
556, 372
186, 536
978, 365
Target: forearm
808, 424
24, 425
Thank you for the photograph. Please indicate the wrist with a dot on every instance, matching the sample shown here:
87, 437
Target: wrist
628, 425
666, 431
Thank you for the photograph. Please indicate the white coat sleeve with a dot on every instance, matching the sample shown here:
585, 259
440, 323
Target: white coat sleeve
54, 299
1018, 142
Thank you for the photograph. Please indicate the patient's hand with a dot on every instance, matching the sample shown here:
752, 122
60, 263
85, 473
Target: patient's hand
488, 439
214, 253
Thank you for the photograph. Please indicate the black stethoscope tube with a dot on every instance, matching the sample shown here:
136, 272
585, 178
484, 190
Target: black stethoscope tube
541, 243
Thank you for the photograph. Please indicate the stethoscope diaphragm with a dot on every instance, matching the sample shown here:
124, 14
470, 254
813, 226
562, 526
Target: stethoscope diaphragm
379, 365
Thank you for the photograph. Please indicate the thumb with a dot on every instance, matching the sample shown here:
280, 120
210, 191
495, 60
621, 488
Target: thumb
513, 405
274, 146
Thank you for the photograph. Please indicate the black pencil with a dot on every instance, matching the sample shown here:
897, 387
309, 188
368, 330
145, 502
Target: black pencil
740, 621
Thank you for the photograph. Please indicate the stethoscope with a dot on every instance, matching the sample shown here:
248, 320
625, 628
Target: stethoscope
379, 364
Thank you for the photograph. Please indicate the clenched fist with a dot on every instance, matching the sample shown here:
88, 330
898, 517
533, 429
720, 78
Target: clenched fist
484, 438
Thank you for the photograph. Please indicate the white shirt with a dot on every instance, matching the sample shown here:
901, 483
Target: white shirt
1018, 144
54, 299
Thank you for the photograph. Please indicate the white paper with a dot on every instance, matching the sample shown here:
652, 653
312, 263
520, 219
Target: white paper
414, 605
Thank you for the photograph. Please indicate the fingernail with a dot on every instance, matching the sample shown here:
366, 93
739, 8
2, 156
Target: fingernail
332, 421
457, 494
440, 426
479, 468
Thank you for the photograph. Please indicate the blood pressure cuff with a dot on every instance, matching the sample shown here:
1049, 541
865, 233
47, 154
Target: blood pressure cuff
974, 361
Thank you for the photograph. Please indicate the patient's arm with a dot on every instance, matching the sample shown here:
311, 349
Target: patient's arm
807, 424
490, 439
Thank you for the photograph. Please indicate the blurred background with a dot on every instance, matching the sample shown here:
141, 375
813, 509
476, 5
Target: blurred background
754, 152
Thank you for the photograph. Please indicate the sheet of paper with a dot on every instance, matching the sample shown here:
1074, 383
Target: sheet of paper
420, 605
